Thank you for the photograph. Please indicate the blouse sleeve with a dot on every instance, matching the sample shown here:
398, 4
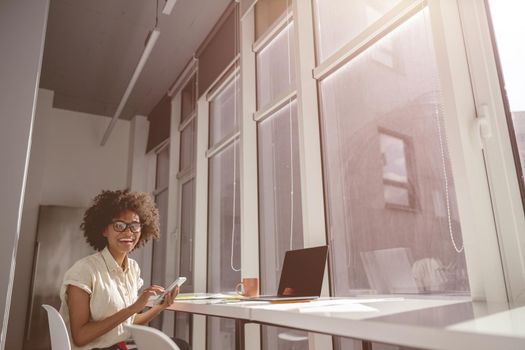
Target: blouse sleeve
79, 275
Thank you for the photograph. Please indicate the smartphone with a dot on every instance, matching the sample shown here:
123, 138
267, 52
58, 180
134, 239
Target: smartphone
177, 283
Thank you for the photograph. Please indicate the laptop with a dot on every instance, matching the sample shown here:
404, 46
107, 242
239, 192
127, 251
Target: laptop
301, 276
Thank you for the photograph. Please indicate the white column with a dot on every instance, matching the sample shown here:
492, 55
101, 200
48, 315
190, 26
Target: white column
308, 120
248, 150
310, 144
201, 218
248, 173
172, 271
22, 32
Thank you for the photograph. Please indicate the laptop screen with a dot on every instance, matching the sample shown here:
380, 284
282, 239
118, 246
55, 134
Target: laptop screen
303, 271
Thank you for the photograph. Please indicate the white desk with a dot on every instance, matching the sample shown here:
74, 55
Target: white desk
427, 323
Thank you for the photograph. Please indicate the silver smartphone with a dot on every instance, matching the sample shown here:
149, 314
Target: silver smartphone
177, 283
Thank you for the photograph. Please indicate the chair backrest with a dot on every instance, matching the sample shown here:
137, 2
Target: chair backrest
57, 329
150, 338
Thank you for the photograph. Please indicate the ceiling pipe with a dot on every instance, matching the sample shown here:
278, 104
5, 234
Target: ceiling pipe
168, 7
154, 35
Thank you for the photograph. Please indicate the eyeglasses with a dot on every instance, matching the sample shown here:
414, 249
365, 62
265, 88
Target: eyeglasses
121, 226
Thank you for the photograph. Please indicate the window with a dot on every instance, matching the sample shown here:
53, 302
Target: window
358, 99
222, 108
224, 225
393, 221
158, 267
187, 147
187, 219
508, 28
398, 182
186, 182
188, 99
186, 234
275, 68
279, 193
340, 21
224, 253
280, 211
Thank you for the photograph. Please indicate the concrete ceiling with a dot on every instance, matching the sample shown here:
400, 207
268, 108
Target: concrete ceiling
92, 49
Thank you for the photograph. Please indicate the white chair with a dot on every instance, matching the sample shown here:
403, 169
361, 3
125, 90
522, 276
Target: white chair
57, 329
296, 340
148, 338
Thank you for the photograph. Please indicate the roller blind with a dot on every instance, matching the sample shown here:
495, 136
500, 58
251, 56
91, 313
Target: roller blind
267, 12
159, 123
218, 49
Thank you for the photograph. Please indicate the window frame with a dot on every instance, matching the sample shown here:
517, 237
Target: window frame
473, 197
502, 173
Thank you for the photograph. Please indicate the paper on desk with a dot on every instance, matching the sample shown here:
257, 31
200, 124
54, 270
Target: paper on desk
330, 305
226, 296
201, 296
335, 301
192, 296
268, 306
349, 307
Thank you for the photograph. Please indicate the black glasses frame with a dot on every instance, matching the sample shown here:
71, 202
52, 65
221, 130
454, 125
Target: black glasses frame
127, 224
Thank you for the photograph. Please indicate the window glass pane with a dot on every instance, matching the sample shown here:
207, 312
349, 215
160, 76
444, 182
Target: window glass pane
159, 246
182, 326
509, 29
280, 217
396, 151
222, 331
224, 250
224, 221
188, 99
159, 251
280, 213
339, 21
275, 68
392, 211
354, 344
225, 110
163, 168
187, 219
267, 12
187, 147
158, 260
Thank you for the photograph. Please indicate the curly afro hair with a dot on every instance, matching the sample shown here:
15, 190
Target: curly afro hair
108, 204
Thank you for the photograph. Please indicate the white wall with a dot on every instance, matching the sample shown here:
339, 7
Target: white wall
77, 167
68, 167
22, 29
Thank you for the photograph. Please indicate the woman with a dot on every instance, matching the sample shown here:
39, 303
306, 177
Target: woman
99, 293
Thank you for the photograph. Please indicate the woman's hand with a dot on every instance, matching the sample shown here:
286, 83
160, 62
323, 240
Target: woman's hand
144, 297
146, 316
169, 298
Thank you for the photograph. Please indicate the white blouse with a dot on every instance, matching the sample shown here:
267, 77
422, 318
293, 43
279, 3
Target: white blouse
111, 289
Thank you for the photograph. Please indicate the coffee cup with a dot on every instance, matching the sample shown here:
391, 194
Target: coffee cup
249, 287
